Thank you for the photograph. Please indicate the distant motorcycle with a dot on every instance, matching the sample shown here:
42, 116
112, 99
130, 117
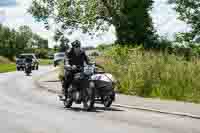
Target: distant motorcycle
93, 86
28, 67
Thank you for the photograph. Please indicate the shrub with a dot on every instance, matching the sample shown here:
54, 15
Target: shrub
94, 54
154, 74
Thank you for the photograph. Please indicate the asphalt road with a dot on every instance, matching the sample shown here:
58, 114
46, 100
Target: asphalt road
24, 108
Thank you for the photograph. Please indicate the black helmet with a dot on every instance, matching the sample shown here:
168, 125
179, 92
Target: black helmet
76, 43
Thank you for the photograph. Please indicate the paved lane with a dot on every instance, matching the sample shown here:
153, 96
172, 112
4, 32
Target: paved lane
24, 108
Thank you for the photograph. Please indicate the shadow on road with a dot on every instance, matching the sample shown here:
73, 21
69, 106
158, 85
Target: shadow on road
28, 75
95, 110
108, 109
52, 81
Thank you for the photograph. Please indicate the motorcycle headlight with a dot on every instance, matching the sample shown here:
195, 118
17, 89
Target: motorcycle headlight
88, 70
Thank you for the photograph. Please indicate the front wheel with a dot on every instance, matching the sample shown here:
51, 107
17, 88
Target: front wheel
88, 102
107, 101
37, 67
18, 69
27, 74
68, 103
55, 64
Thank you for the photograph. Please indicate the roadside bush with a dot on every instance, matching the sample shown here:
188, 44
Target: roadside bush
42, 53
154, 74
94, 54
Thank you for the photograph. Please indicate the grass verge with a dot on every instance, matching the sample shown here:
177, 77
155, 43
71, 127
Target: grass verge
45, 62
6, 65
7, 68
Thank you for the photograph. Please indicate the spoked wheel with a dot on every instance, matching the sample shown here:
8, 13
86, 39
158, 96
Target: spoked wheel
68, 102
37, 67
27, 74
107, 101
88, 102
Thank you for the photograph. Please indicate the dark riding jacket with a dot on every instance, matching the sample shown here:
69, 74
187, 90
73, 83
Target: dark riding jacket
78, 60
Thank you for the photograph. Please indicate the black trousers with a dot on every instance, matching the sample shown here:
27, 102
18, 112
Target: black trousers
68, 77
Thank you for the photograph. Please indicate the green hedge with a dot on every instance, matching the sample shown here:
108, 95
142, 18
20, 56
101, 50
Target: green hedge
154, 74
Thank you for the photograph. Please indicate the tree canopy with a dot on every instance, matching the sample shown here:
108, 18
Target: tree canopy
130, 18
13, 42
189, 12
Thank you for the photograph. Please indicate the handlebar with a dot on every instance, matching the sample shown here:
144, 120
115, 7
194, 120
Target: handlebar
70, 68
80, 68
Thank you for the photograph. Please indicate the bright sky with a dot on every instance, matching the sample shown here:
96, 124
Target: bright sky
13, 13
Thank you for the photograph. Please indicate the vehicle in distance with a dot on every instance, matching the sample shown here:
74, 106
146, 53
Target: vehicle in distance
58, 57
20, 61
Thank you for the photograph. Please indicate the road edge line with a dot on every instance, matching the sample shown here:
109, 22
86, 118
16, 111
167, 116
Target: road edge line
157, 111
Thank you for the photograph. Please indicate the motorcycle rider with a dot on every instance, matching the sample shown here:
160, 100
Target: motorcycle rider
28, 64
76, 57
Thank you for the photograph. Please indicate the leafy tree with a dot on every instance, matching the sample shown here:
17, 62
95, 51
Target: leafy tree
39, 42
14, 42
55, 47
64, 44
189, 12
131, 18
184, 37
41, 53
25, 34
58, 35
197, 40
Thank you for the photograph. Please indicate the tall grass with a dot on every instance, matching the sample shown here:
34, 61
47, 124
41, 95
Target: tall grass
154, 74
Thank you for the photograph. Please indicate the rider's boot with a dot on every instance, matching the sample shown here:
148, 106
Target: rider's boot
62, 95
